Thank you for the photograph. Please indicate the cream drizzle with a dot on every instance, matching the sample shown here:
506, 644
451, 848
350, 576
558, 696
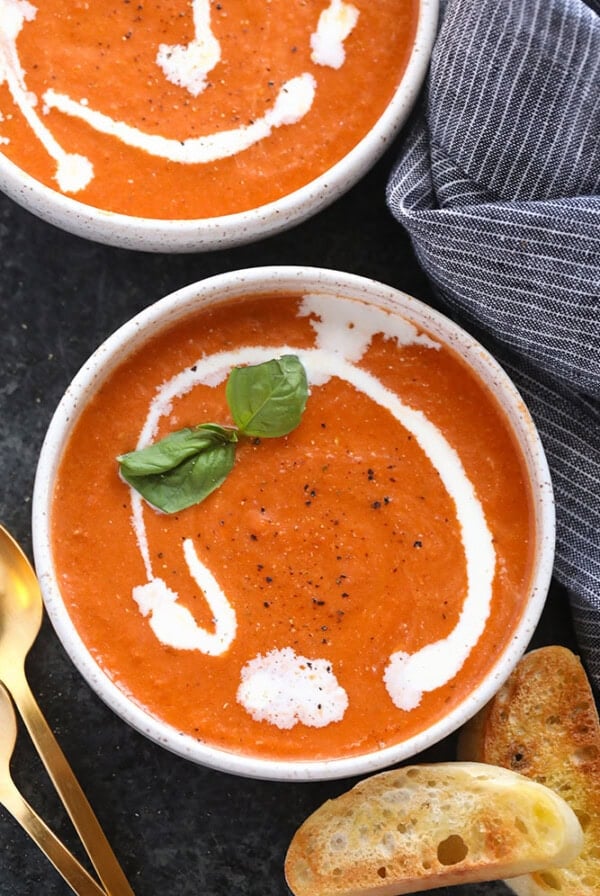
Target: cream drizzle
335, 24
291, 104
187, 66
343, 332
73, 171
174, 624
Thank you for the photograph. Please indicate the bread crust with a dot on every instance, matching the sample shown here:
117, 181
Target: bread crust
544, 724
426, 826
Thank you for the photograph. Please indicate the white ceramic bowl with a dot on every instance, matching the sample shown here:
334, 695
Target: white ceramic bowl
158, 235
298, 280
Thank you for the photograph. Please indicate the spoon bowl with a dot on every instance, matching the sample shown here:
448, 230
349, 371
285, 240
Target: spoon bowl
20, 608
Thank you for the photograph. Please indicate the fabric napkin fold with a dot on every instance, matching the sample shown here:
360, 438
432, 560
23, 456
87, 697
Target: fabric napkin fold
498, 184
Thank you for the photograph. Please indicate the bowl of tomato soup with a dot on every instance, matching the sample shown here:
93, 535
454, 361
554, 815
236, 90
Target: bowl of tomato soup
182, 126
343, 595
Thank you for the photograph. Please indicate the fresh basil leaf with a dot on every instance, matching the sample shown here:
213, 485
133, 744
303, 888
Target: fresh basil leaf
190, 481
268, 399
169, 452
184, 467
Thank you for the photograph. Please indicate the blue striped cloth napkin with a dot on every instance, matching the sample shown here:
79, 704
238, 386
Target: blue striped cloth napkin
497, 184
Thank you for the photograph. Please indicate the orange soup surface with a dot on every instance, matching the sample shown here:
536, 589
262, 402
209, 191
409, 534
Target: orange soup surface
366, 570
194, 108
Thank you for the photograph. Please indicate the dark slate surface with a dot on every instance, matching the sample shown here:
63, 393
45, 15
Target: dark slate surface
177, 828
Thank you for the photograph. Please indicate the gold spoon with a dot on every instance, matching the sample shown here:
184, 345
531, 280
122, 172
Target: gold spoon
20, 621
65, 863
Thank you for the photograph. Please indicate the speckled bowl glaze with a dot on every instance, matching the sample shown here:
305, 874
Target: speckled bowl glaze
156, 235
286, 280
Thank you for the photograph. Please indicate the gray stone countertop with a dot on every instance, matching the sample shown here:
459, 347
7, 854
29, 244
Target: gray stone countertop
177, 828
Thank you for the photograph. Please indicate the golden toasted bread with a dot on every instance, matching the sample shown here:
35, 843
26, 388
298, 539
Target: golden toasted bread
424, 826
544, 724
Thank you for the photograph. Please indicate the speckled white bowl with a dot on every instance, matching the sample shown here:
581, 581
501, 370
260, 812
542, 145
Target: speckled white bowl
298, 280
155, 235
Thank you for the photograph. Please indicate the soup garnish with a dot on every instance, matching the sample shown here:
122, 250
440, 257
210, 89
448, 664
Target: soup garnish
265, 400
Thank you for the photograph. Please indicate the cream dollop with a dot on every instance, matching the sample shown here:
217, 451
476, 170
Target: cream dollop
188, 65
335, 24
283, 689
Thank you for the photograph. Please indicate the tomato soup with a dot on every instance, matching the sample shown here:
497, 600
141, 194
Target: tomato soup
187, 109
349, 583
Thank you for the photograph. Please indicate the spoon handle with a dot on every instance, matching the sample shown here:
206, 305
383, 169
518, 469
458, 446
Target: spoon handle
65, 863
85, 822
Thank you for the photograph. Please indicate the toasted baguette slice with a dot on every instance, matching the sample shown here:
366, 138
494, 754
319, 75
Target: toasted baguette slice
424, 826
544, 724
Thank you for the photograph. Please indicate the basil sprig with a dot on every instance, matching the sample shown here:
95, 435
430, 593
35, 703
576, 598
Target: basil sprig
265, 400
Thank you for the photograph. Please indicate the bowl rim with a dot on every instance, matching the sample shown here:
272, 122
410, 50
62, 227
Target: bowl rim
219, 232
273, 279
